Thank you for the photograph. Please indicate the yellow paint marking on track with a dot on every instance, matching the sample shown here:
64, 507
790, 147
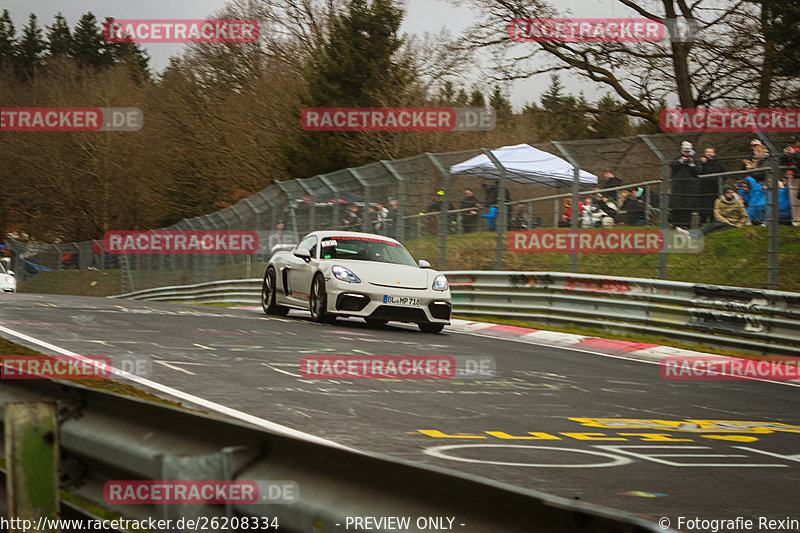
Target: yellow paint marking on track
734, 438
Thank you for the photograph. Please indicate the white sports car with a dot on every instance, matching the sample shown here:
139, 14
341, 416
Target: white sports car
8, 283
343, 273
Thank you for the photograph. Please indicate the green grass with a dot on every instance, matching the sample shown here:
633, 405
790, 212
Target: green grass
736, 257
109, 385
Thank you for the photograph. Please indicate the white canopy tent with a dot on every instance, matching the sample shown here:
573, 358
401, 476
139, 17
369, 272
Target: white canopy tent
524, 164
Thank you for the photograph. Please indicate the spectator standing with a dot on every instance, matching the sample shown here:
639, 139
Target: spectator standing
708, 187
469, 219
758, 164
683, 198
391, 218
611, 181
791, 158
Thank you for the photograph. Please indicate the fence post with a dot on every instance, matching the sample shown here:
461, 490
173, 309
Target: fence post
663, 201
31, 453
443, 214
500, 221
400, 221
366, 223
573, 256
773, 212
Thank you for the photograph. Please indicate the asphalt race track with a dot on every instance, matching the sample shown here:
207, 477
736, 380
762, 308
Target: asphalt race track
601, 429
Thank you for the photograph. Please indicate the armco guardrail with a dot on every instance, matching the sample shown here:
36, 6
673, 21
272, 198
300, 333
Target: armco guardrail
110, 437
754, 320
758, 321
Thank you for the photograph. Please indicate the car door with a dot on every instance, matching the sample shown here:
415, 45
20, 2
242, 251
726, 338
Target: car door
299, 273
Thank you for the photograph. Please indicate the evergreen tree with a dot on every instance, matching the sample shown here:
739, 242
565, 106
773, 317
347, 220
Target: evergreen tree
500, 104
784, 31
30, 50
88, 45
130, 55
354, 68
59, 37
477, 99
8, 42
447, 93
611, 121
552, 97
461, 98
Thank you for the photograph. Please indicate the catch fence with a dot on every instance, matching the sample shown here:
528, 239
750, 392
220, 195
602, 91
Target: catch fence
421, 203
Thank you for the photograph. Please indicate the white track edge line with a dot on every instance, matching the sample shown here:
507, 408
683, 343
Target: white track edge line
221, 409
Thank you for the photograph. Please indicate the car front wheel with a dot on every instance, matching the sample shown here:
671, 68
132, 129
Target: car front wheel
318, 301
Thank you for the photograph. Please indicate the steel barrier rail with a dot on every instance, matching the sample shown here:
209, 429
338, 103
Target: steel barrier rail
105, 436
759, 321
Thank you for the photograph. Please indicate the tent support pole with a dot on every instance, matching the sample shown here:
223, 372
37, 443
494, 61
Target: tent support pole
573, 256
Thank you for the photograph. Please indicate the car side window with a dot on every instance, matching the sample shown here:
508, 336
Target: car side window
309, 244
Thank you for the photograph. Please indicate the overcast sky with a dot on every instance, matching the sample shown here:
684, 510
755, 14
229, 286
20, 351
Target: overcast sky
421, 16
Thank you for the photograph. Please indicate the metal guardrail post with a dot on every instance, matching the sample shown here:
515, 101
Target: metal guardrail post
663, 199
443, 213
500, 221
773, 212
31, 452
574, 214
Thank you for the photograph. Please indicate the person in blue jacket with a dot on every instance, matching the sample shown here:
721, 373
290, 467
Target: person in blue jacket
784, 201
755, 199
491, 218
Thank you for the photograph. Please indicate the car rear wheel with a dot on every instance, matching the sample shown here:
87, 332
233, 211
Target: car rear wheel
318, 301
431, 328
268, 295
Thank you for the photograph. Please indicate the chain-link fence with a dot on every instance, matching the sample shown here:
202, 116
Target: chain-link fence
457, 221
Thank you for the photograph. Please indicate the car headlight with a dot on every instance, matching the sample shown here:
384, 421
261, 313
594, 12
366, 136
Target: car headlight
341, 273
440, 283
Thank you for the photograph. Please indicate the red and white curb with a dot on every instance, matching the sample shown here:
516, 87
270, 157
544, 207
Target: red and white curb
630, 349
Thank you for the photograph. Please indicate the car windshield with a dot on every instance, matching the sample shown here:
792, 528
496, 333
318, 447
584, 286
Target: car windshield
365, 249
2, 268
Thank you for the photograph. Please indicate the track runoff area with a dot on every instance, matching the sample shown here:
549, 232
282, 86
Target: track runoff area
588, 419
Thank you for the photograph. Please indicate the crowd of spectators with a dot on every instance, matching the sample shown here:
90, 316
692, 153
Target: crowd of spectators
695, 183
697, 189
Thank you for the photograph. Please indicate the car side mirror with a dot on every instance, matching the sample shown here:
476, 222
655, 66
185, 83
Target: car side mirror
303, 254
424, 264
10, 272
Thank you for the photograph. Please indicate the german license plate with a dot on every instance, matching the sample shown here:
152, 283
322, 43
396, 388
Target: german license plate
402, 300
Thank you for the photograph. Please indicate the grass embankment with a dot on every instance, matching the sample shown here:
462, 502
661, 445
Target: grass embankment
109, 385
736, 257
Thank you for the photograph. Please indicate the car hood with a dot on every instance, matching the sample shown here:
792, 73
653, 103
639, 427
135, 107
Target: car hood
389, 274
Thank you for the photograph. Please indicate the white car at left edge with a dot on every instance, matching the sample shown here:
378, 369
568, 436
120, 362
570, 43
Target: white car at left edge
8, 283
352, 274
